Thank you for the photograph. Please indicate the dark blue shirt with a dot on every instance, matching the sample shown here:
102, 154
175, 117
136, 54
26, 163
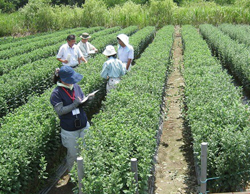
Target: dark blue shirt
67, 121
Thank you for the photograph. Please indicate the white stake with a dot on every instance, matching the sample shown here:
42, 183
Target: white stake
203, 167
134, 169
80, 173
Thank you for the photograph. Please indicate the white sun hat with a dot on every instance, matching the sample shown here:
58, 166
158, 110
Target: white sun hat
109, 51
124, 38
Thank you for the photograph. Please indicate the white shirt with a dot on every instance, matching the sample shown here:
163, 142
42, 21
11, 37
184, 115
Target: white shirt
85, 48
72, 54
125, 53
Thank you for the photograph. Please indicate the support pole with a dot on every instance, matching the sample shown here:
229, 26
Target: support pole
134, 169
80, 173
203, 179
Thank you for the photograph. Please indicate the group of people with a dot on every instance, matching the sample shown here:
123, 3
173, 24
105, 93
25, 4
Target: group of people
67, 97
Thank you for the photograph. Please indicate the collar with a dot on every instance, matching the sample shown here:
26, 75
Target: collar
70, 47
126, 48
62, 85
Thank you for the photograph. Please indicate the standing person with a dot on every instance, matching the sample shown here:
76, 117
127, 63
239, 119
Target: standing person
65, 99
125, 51
112, 68
69, 54
85, 47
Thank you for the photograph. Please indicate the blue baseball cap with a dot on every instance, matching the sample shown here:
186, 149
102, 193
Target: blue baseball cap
68, 75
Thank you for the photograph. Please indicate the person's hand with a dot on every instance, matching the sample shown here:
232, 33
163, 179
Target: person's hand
65, 61
96, 50
77, 101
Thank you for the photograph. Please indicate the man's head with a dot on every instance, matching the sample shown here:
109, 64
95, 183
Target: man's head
71, 39
85, 37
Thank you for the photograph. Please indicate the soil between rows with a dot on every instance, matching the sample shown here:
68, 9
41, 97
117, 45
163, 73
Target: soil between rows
175, 171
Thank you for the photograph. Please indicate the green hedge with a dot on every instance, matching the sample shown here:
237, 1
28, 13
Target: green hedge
215, 114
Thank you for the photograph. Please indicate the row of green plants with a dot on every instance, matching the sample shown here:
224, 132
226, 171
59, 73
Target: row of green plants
40, 42
35, 77
41, 16
30, 135
37, 54
36, 38
128, 124
233, 55
215, 114
239, 33
9, 39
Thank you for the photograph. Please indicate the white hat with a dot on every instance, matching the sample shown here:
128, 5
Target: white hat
109, 51
85, 35
124, 38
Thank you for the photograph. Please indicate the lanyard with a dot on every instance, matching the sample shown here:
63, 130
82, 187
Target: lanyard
73, 97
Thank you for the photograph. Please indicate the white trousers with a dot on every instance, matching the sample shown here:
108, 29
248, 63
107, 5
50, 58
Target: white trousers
70, 141
111, 84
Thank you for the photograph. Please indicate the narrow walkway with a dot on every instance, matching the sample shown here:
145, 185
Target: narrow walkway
175, 170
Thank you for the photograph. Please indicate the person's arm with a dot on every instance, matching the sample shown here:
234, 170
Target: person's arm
128, 63
62, 110
57, 103
104, 73
81, 57
91, 47
61, 60
60, 54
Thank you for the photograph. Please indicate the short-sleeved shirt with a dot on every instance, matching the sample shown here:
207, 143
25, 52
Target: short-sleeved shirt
125, 53
67, 121
72, 53
112, 68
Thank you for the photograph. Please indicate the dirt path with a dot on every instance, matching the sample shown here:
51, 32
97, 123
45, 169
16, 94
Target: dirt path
175, 170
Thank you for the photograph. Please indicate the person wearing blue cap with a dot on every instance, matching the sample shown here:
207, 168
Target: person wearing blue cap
65, 99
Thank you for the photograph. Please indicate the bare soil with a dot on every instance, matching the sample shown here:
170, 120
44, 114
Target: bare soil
175, 171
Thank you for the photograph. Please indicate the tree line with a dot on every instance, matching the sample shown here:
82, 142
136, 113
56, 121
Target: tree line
8, 6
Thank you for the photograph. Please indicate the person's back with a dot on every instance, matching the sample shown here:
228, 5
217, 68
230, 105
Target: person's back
113, 68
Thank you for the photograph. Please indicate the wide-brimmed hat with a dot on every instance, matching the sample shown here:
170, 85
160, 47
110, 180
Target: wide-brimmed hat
68, 75
85, 35
109, 51
124, 38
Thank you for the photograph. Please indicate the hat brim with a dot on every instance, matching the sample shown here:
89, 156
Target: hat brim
108, 53
75, 78
85, 37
